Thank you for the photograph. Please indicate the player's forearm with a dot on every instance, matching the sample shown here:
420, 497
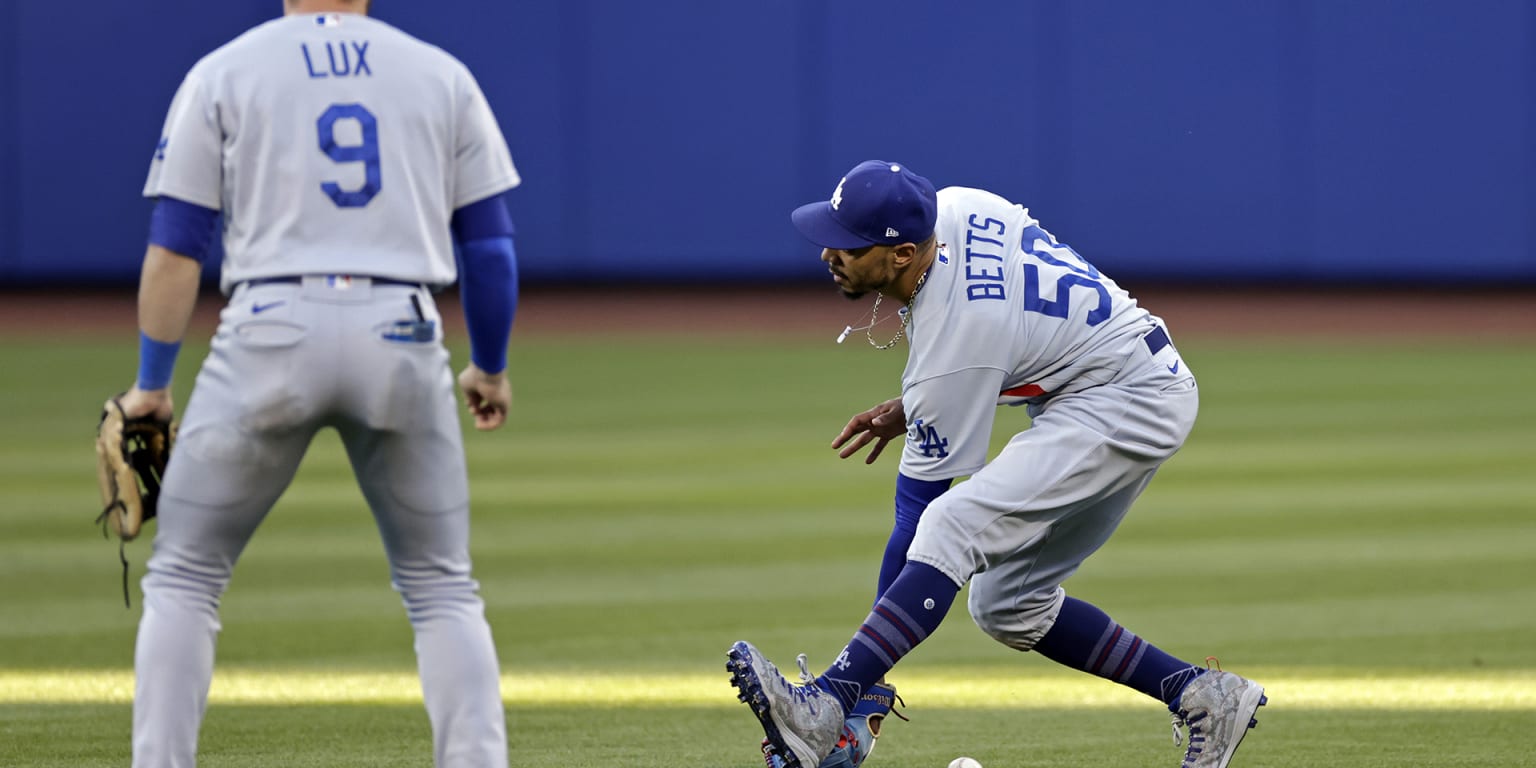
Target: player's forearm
488, 289
167, 293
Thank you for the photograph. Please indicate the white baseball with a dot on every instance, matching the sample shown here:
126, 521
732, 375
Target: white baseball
964, 762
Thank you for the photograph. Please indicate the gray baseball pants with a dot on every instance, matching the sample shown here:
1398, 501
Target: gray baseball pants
288, 360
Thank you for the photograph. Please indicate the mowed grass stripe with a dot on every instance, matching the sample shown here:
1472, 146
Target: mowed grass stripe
934, 688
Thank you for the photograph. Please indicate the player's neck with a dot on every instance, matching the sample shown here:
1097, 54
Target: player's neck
906, 285
296, 7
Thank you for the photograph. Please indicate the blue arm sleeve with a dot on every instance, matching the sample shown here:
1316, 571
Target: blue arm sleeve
183, 228
487, 279
912, 497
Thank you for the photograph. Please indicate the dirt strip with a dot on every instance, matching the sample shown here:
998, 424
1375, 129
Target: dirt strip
798, 310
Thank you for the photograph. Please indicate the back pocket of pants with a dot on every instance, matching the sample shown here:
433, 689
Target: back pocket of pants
269, 333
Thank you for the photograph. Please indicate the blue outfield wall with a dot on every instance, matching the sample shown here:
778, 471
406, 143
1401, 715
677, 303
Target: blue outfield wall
1217, 140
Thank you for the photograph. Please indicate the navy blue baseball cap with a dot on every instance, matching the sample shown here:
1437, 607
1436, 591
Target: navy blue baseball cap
877, 203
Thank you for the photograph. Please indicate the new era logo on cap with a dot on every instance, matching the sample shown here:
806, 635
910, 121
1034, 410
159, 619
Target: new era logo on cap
876, 203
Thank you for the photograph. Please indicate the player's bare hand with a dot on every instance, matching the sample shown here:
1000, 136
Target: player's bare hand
877, 425
137, 403
488, 396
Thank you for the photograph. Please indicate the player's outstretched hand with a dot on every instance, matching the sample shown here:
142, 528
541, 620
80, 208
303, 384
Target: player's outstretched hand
878, 424
488, 395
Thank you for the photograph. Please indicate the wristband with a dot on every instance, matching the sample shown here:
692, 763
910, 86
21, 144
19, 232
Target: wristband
157, 361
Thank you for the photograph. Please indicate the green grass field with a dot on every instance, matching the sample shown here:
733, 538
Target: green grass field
1352, 524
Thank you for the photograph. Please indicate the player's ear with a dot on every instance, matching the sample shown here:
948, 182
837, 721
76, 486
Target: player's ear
904, 253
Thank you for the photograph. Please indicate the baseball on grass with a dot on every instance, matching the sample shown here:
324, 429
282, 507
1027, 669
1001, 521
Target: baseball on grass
964, 762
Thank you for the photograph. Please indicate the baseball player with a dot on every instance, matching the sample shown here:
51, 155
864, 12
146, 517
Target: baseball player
347, 159
997, 311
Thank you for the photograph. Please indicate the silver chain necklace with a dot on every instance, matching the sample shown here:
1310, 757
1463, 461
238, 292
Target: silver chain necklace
906, 317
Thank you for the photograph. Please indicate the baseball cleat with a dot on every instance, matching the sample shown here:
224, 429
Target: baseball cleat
1217, 708
802, 722
771, 756
860, 729
853, 747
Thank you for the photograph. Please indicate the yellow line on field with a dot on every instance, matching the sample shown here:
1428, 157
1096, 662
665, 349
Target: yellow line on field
968, 688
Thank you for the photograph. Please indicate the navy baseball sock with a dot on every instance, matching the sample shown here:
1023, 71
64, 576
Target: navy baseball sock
909, 611
1086, 638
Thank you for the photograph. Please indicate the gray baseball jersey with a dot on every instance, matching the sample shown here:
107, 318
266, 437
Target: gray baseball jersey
297, 127
1006, 314
337, 148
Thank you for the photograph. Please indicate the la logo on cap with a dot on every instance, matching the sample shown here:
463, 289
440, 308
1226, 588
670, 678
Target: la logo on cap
876, 203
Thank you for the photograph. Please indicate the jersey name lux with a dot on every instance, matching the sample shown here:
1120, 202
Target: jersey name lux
347, 58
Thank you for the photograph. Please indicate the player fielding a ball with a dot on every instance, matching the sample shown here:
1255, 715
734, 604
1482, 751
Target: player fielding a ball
347, 159
997, 312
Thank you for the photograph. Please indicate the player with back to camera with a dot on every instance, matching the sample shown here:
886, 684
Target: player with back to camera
347, 159
997, 312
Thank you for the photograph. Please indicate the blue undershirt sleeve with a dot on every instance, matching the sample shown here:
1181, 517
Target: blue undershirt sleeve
482, 219
912, 497
487, 279
183, 228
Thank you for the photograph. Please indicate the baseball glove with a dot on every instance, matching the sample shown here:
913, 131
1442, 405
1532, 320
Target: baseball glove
130, 460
